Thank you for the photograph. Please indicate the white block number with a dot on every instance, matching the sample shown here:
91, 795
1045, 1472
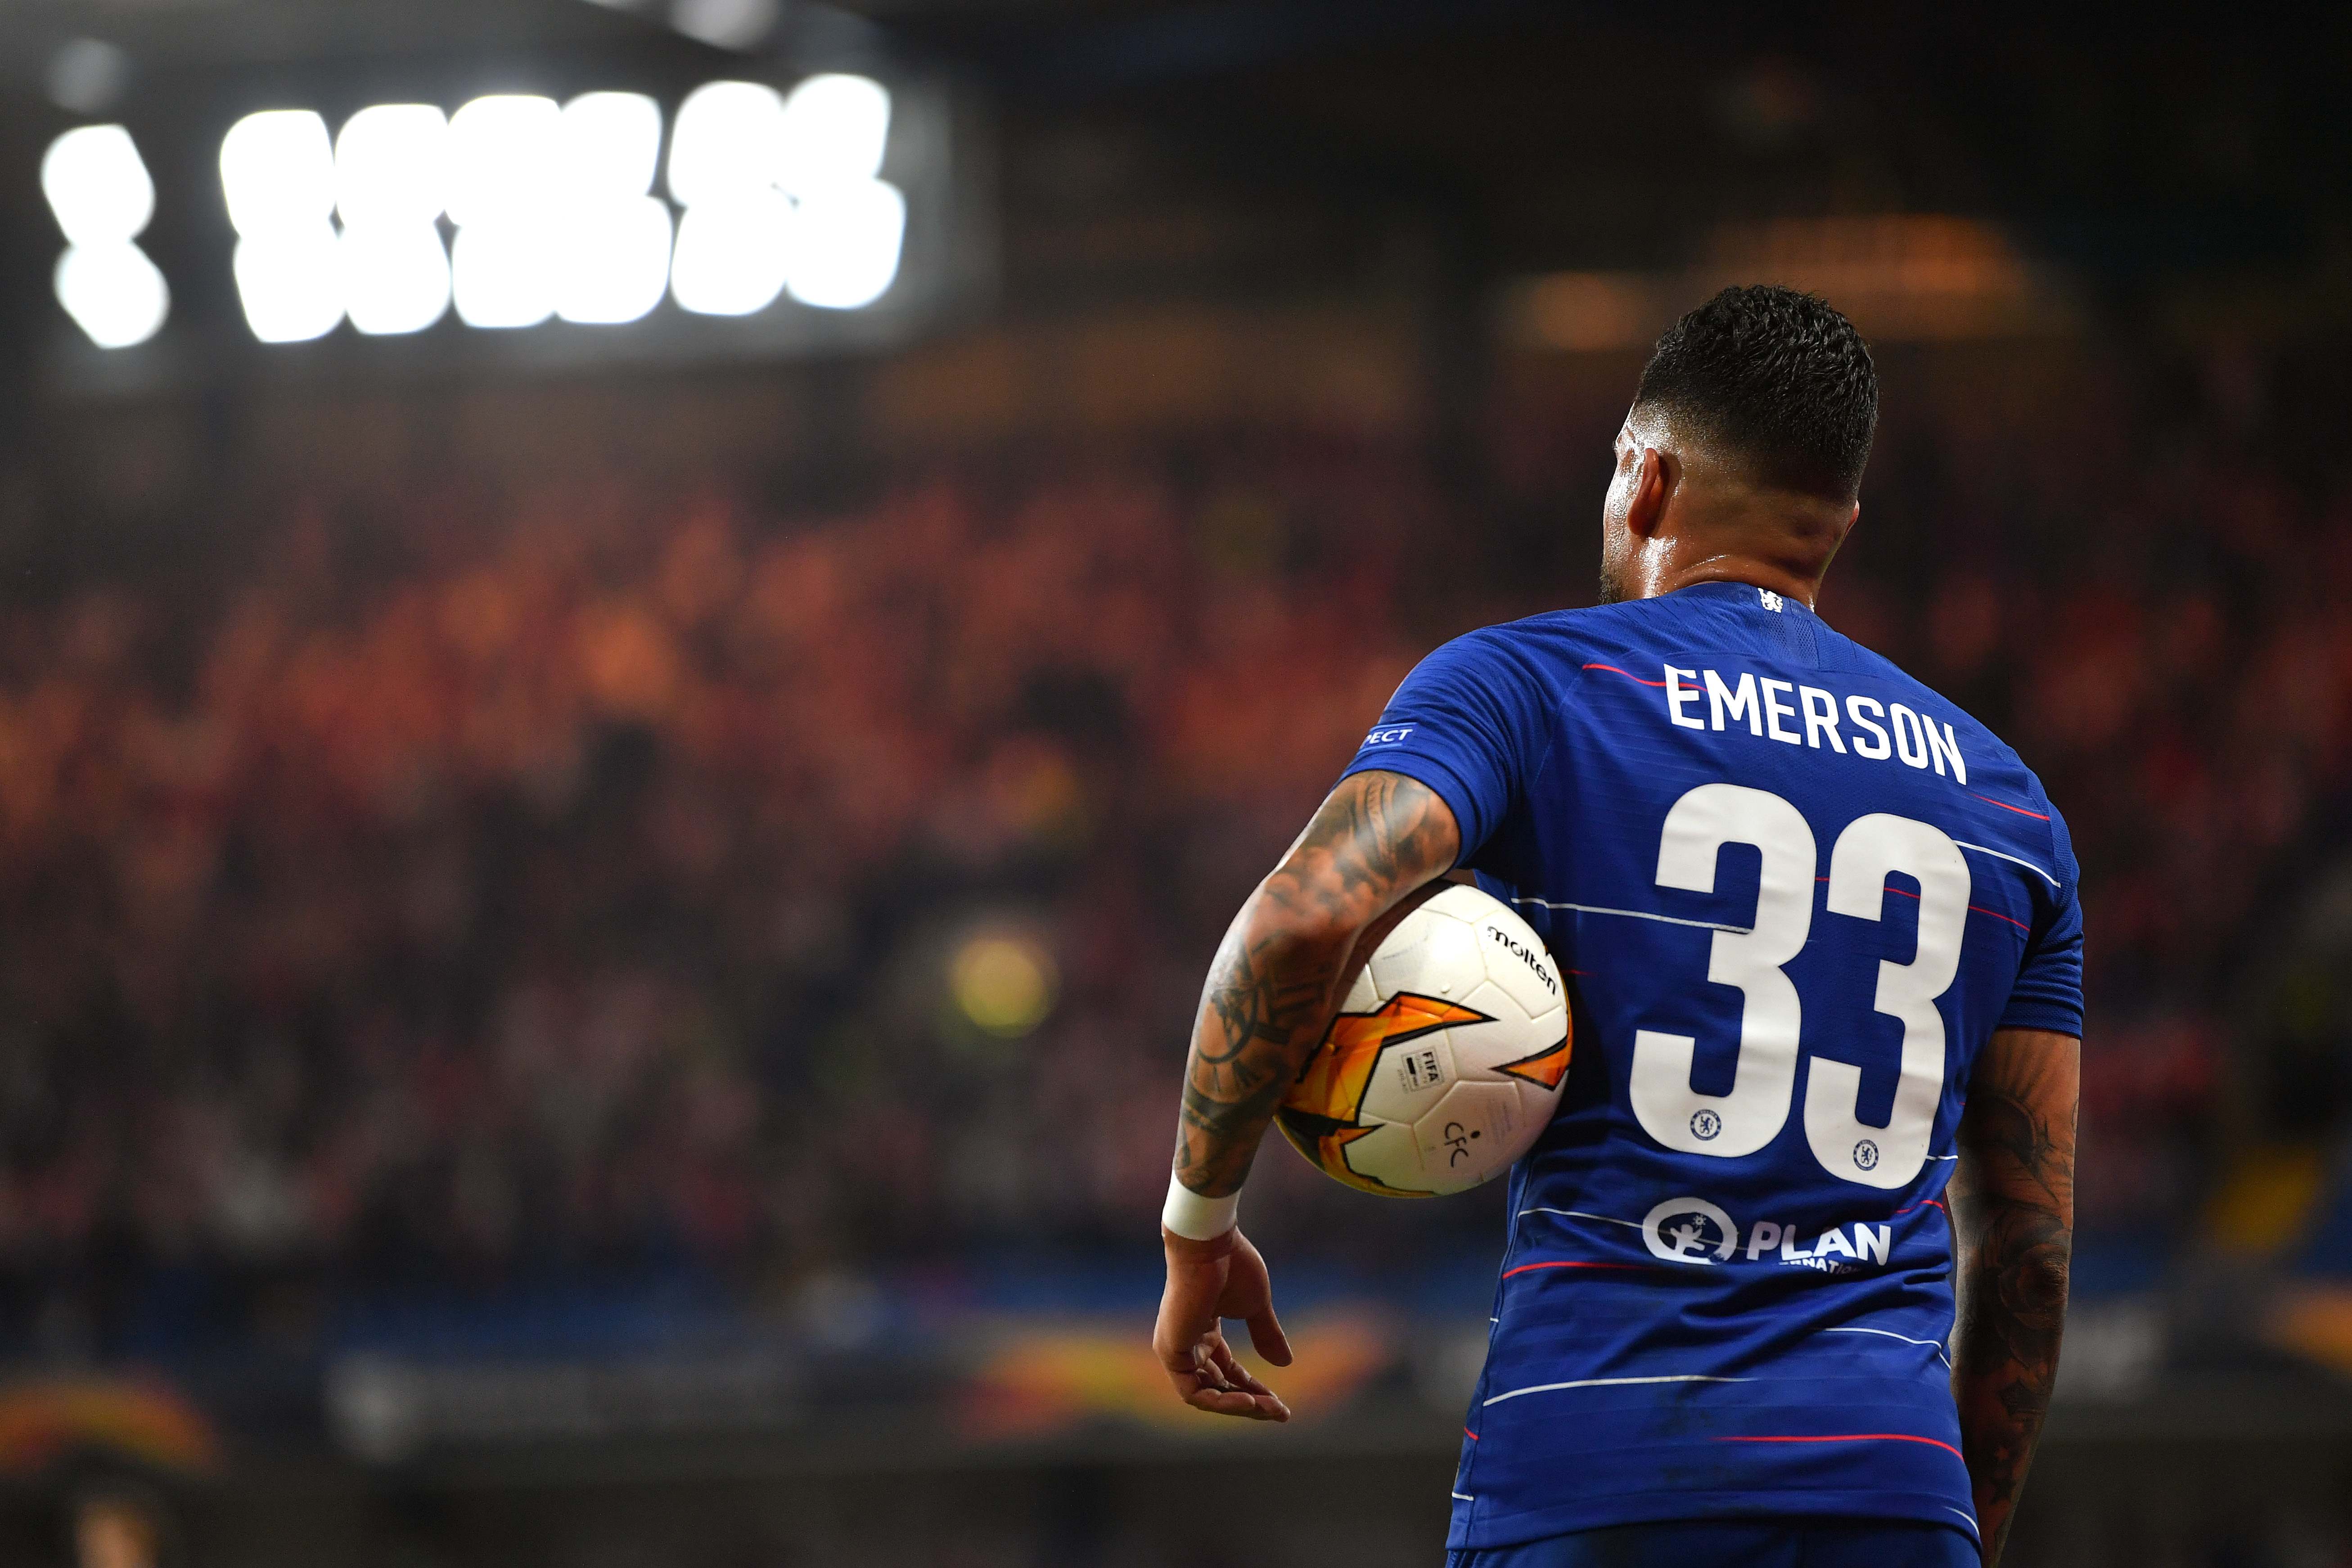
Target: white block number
1771, 1015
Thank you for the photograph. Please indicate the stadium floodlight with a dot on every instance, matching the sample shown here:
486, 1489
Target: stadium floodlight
391, 170
113, 292
278, 171
834, 128
845, 240
848, 226
612, 258
729, 141
610, 146
97, 185
100, 189
290, 280
505, 156
724, 156
503, 159
390, 165
733, 256
614, 263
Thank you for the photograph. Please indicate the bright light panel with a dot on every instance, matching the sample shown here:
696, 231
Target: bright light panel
504, 273
395, 277
503, 159
551, 207
611, 146
389, 165
97, 185
113, 292
615, 263
290, 279
834, 128
733, 256
844, 252
729, 141
278, 172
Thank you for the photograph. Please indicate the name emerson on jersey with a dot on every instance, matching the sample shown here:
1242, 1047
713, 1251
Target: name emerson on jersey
1693, 1230
1881, 730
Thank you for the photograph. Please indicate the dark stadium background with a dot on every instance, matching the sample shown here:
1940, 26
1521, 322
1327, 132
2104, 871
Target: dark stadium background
507, 848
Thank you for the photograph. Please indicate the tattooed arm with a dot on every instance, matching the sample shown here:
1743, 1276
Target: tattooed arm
2013, 1216
1277, 979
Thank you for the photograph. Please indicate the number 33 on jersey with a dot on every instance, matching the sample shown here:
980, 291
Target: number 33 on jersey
1771, 1015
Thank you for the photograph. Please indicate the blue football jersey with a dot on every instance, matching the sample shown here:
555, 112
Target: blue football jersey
1795, 891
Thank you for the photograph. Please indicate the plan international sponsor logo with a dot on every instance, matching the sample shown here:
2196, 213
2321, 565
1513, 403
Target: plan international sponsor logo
1694, 1230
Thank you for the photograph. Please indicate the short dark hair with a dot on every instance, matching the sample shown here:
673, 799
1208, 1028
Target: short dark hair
1777, 375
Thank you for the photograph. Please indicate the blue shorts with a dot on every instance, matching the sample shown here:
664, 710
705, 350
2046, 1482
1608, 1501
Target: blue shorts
1739, 1543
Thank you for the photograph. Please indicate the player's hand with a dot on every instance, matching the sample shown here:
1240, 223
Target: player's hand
1208, 1281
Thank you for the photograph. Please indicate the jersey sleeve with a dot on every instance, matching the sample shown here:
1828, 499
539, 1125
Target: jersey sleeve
1469, 723
2049, 990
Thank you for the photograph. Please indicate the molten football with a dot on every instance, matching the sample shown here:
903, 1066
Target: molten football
1446, 1058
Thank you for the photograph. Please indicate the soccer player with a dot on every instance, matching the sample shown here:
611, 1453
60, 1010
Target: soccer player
1827, 958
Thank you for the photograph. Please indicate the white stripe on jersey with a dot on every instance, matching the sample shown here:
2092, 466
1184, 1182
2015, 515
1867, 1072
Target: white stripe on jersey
1612, 1382
1637, 914
2004, 855
1579, 1213
1888, 1333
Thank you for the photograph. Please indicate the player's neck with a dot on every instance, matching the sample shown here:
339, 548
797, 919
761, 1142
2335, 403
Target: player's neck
1768, 538
1731, 567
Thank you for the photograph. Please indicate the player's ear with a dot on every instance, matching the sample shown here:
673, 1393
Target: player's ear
1646, 492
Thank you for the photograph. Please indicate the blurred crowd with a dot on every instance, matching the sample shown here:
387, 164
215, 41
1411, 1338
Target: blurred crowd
508, 881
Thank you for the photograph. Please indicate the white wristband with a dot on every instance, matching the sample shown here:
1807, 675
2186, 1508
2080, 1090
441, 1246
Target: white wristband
1194, 1217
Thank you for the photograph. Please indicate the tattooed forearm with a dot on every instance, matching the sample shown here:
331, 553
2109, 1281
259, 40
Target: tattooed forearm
1278, 976
2013, 1216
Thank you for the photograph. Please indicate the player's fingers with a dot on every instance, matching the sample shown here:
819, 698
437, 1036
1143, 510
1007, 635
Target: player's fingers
1214, 1363
1235, 1374
1233, 1402
1267, 1338
1241, 1379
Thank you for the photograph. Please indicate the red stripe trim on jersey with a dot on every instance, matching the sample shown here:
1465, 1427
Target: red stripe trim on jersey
1979, 908
1989, 801
1469, 1433
1858, 1438
1645, 1267
1629, 674
1926, 1204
